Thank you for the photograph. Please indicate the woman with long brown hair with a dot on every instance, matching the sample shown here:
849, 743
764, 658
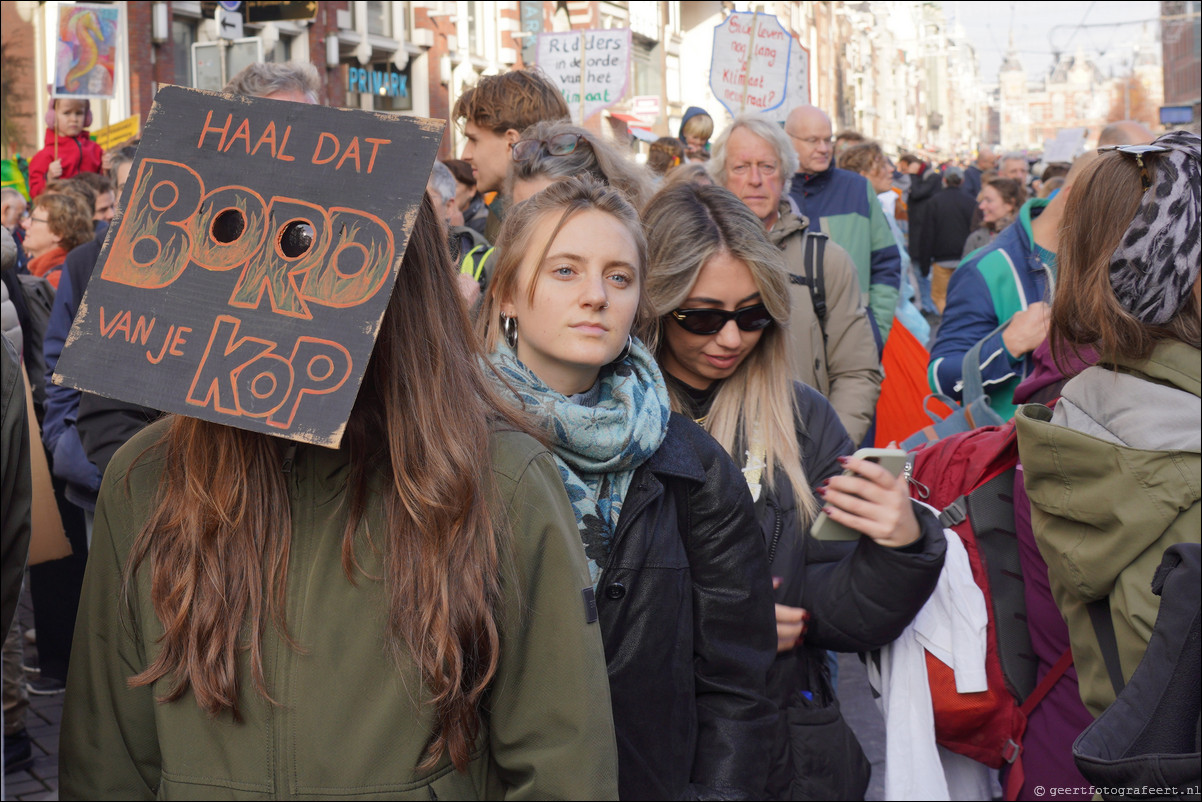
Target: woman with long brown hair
400, 616
1114, 470
680, 575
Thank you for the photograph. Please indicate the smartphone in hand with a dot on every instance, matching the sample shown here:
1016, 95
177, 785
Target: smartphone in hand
891, 459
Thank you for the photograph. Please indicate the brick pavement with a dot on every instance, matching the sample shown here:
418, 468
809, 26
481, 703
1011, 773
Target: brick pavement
40, 780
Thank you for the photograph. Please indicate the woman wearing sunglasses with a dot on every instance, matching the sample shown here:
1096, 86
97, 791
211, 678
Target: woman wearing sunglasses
720, 311
552, 151
680, 576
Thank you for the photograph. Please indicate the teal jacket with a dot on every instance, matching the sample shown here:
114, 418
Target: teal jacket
844, 206
986, 290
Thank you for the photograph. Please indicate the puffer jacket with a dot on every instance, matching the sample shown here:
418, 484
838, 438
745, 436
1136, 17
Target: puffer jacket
685, 603
1115, 477
10, 321
77, 154
845, 366
860, 596
10, 324
349, 721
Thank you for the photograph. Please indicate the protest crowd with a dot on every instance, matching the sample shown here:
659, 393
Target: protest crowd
635, 447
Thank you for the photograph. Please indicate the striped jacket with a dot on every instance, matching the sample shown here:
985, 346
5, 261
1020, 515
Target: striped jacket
986, 290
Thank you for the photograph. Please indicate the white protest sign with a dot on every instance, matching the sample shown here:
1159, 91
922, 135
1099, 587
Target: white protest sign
1068, 145
750, 66
797, 91
591, 68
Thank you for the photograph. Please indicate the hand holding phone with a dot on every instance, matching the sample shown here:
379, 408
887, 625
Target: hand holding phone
881, 523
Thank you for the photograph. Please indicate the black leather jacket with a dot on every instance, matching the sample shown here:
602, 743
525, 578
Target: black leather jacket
860, 596
686, 611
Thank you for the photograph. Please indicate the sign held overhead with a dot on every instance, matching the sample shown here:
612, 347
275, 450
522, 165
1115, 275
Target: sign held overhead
591, 68
246, 276
750, 67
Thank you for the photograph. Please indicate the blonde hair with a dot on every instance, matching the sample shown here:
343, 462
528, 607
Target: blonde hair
686, 226
568, 197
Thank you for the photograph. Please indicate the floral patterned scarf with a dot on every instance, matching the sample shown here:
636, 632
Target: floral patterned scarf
597, 447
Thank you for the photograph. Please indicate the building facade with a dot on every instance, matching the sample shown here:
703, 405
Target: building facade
896, 71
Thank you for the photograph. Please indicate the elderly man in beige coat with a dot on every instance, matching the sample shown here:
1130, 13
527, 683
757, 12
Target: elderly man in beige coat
834, 353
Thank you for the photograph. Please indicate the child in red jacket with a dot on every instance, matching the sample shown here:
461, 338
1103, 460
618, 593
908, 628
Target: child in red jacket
68, 150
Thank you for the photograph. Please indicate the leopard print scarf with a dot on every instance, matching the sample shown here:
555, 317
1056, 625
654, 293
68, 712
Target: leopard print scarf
1156, 264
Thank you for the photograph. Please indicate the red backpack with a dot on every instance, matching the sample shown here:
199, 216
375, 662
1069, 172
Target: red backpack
970, 477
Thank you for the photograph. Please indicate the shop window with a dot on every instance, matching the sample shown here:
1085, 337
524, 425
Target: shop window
183, 36
281, 53
379, 18
475, 28
379, 87
648, 70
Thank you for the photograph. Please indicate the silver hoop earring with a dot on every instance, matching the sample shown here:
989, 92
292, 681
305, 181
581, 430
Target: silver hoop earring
509, 327
621, 357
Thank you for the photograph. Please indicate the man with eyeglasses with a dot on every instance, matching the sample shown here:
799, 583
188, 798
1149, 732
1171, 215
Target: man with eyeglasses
844, 206
833, 346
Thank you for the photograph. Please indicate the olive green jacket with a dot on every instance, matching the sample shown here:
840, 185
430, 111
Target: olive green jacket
348, 723
1115, 477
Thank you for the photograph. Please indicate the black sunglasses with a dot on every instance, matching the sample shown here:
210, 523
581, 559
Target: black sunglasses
558, 145
1138, 152
711, 321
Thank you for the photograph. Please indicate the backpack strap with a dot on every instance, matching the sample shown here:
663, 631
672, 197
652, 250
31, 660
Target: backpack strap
1016, 778
813, 261
1103, 630
473, 261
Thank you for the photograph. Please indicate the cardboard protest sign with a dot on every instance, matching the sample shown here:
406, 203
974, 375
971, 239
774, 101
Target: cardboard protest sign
591, 68
246, 276
85, 58
750, 66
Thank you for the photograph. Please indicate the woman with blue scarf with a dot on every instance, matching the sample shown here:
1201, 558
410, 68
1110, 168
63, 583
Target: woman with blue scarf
680, 575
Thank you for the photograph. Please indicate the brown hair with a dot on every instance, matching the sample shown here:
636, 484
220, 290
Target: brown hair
592, 156
862, 158
1013, 193
567, 197
462, 171
1055, 170
666, 152
100, 184
849, 138
217, 542
1101, 205
68, 215
688, 173
516, 99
